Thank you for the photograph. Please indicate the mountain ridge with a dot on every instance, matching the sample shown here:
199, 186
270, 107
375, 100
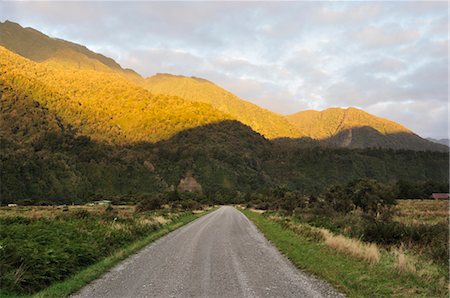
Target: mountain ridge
351, 128
266, 122
39, 47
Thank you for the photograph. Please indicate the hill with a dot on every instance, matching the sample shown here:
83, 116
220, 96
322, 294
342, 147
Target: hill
36, 46
103, 105
355, 128
267, 123
445, 142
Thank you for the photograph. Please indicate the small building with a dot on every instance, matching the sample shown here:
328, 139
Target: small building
103, 203
440, 196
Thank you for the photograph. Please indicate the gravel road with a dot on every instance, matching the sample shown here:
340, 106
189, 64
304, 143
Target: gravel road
221, 254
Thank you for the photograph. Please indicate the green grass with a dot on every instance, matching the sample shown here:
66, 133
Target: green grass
351, 276
82, 277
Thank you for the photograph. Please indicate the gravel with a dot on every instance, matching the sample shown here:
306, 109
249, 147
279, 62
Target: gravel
221, 254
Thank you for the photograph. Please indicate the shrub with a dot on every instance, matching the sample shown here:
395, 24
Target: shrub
190, 205
149, 203
81, 214
371, 196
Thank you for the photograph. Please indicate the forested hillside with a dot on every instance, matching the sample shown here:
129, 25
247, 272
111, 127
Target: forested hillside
45, 161
70, 134
101, 105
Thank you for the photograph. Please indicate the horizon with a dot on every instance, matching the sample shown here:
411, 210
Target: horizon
401, 77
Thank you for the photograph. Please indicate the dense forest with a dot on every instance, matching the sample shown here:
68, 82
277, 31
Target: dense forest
44, 161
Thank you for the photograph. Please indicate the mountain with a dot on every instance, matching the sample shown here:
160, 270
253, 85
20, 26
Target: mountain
267, 123
445, 142
102, 105
350, 128
36, 46
355, 128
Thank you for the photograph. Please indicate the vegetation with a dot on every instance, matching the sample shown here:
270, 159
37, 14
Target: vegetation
373, 271
365, 209
44, 245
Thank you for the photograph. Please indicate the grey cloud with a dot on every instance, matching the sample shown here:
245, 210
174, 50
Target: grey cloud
389, 35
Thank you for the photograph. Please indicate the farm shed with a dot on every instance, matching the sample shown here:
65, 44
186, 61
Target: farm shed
440, 196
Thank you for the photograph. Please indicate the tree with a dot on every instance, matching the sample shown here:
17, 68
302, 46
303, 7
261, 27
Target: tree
339, 199
371, 196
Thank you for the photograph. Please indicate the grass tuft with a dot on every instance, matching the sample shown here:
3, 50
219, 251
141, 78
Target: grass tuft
367, 252
403, 263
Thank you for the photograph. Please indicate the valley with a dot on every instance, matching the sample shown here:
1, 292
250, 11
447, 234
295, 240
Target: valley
98, 161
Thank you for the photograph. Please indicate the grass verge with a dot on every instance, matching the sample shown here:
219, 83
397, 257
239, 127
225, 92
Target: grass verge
352, 276
92, 272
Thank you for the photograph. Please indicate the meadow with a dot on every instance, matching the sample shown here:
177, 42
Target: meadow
422, 211
41, 246
406, 255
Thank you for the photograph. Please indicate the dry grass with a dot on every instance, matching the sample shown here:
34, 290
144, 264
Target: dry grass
160, 220
422, 211
403, 263
368, 252
35, 212
257, 210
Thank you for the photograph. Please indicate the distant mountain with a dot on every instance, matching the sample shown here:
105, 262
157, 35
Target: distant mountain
355, 128
445, 142
36, 46
267, 123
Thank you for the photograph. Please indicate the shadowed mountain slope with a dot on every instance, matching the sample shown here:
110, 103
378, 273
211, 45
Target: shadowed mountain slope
354, 128
39, 47
445, 142
267, 123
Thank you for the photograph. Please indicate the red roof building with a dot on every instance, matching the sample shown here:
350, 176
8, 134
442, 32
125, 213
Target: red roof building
440, 196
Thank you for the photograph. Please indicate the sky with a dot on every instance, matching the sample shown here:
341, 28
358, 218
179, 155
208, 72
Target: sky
388, 58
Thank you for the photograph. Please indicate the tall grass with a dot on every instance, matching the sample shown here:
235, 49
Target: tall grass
367, 252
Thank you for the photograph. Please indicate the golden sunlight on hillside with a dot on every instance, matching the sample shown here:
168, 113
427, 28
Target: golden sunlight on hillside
102, 105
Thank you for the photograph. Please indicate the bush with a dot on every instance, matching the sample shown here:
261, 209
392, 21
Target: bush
190, 205
81, 214
149, 203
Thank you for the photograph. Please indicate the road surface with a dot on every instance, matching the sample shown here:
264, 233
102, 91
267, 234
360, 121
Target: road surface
221, 254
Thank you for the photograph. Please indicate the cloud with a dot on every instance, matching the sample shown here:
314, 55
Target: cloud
375, 37
390, 58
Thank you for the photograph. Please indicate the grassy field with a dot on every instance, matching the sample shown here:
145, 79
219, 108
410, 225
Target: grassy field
422, 211
53, 251
353, 267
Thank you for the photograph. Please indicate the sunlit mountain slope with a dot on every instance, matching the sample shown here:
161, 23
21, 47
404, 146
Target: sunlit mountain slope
103, 105
39, 47
268, 123
355, 128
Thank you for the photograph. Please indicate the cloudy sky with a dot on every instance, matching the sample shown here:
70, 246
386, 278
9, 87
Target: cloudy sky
388, 58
